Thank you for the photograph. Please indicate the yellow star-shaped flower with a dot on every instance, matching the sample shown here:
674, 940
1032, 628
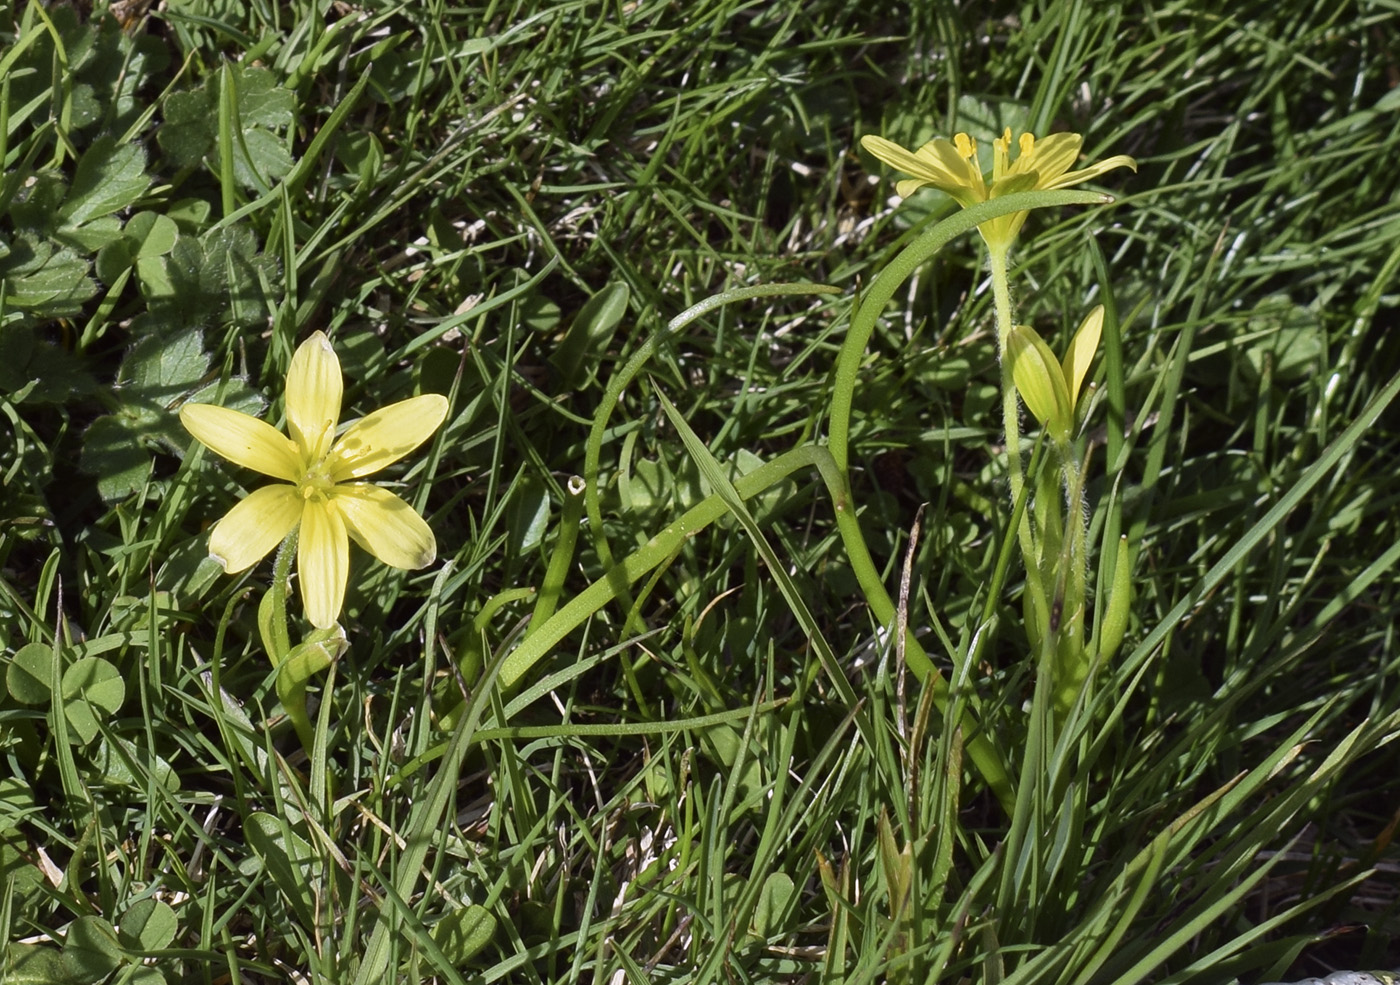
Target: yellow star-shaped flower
951, 166
316, 468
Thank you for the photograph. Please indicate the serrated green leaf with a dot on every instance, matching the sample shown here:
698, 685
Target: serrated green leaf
160, 371
109, 177
191, 215
260, 159
93, 236
46, 281
221, 271
187, 133
191, 130
41, 372
16, 345
160, 368
261, 101
37, 202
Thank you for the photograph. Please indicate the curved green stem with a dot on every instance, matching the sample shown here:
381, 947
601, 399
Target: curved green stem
592, 452
654, 552
863, 319
613, 392
563, 554
868, 308
272, 610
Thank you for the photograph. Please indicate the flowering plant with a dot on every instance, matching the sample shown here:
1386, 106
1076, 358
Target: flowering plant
318, 497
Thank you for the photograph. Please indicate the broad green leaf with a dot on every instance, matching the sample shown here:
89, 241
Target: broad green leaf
146, 236
27, 678
1292, 343
463, 933
109, 177
577, 356
288, 859
112, 451
527, 517
36, 964
91, 950
772, 904
111, 763
91, 687
152, 233
148, 925
949, 371
16, 800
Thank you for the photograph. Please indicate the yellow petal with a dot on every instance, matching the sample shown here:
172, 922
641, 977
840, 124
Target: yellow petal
959, 160
888, 152
385, 436
1039, 380
936, 163
314, 388
1093, 171
385, 525
1080, 354
323, 562
243, 440
1051, 157
908, 186
255, 526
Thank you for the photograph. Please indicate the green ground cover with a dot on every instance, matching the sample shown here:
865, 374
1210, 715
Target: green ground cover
647, 716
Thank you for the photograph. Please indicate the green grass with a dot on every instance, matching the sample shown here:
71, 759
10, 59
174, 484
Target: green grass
715, 768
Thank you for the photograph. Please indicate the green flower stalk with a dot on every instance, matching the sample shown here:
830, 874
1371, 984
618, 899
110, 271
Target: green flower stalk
1053, 544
